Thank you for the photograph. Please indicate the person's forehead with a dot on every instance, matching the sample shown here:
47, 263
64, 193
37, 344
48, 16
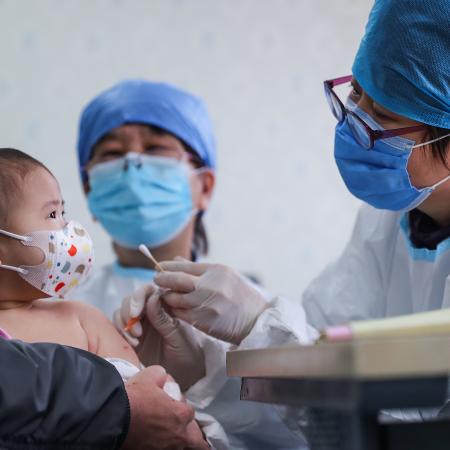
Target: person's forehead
39, 185
382, 108
134, 129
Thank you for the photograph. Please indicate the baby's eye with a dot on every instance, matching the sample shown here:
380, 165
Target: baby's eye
52, 215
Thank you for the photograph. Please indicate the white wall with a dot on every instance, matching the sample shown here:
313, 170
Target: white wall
280, 210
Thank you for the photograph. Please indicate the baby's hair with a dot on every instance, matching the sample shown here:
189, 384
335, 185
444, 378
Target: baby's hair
14, 167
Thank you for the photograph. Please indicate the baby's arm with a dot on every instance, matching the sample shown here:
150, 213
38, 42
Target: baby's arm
103, 338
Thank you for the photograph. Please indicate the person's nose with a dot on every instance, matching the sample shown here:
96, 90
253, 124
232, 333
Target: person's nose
133, 155
135, 147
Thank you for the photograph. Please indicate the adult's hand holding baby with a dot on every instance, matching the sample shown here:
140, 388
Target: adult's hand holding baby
157, 421
160, 338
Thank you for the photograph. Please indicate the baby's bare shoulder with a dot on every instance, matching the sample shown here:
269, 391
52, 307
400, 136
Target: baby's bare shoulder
63, 323
60, 307
89, 317
103, 339
80, 309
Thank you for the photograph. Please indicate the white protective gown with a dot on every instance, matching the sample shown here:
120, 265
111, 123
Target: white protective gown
248, 425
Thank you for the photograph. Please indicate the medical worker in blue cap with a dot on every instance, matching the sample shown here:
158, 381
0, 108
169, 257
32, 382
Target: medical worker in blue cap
392, 149
147, 159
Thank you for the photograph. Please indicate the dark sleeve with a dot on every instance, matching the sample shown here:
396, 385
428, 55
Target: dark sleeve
53, 397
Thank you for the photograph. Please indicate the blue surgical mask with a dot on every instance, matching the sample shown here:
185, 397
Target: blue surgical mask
379, 176
141, 199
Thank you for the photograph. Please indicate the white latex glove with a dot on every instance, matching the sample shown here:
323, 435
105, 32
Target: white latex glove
161, 339
131, 307
213, 298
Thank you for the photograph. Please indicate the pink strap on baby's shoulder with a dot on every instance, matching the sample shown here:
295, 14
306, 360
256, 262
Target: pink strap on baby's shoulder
4, 334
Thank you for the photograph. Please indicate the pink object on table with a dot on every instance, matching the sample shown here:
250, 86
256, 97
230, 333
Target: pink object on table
4, 334
338, 333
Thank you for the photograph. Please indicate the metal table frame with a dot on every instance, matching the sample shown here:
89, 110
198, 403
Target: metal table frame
343, 414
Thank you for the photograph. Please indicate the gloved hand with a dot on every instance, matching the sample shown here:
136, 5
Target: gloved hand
160, 338
212, 297
131, 307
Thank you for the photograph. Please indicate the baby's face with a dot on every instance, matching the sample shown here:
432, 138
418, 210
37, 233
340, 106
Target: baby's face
39, 206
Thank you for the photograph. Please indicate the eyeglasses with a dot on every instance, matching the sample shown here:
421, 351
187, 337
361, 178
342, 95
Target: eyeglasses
134, 158
362, 132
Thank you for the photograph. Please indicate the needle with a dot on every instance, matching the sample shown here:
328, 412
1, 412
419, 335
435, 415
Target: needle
143, 248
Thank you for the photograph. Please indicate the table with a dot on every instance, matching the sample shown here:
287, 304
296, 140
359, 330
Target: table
344, 386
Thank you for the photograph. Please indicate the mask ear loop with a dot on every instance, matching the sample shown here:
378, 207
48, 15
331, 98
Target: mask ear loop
20, 238
14, 269
200, 170
430, 142
440, 182
193, 172
422, 144
16, 236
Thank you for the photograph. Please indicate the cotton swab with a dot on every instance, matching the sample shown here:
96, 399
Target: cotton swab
143, 248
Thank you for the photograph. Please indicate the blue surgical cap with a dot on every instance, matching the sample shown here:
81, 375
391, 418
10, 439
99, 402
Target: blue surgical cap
403, 61
140, 101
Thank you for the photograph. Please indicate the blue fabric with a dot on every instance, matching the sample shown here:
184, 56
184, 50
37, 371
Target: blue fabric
422, 254
378, 176
134, 272
140, 101
141, 199
403, 61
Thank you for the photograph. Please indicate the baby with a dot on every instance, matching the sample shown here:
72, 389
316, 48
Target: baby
44, 256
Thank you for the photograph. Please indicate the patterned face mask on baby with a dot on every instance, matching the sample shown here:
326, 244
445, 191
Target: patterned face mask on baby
67, 258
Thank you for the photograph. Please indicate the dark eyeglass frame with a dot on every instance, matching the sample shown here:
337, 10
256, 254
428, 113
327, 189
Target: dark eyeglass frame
340, 115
